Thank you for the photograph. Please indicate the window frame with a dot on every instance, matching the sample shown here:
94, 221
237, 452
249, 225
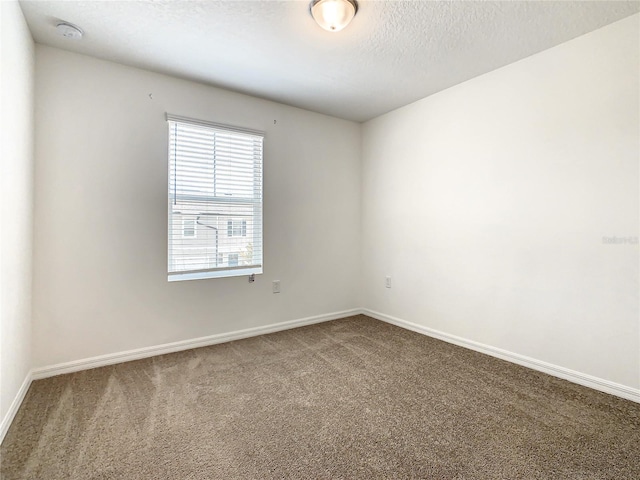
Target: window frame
257, 199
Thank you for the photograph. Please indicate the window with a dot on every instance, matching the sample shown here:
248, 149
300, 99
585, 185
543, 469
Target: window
215, 200
236, 228
188, 228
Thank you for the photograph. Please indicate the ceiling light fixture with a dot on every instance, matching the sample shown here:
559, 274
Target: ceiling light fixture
69, 30
333, 15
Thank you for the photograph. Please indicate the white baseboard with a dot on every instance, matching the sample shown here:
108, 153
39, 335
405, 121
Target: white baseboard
584, 379
120, 357
15, 405
137, 354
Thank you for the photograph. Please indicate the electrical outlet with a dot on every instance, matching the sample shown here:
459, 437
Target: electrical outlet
276, 286
387, 281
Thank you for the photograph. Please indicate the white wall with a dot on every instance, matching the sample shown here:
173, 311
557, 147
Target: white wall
100, 281
16, 204
487, 203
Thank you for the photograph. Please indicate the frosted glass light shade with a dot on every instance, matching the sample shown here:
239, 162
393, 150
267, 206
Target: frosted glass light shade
333, 15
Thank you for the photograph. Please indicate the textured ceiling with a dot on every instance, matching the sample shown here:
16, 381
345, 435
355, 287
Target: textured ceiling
393, 52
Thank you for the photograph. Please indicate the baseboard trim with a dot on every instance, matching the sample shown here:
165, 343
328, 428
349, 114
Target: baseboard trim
15, 406
584, 379
139, 353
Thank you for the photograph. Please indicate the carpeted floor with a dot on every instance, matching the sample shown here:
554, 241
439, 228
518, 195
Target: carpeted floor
352, 398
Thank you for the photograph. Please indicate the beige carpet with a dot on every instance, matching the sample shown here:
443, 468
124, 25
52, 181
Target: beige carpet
353, 398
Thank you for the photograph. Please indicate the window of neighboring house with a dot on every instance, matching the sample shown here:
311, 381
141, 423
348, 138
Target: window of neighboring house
188, 227
236, 228
215, 173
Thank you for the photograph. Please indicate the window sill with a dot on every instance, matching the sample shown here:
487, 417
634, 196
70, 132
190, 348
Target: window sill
240, 272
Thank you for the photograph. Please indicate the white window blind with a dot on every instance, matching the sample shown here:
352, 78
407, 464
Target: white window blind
215, 181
